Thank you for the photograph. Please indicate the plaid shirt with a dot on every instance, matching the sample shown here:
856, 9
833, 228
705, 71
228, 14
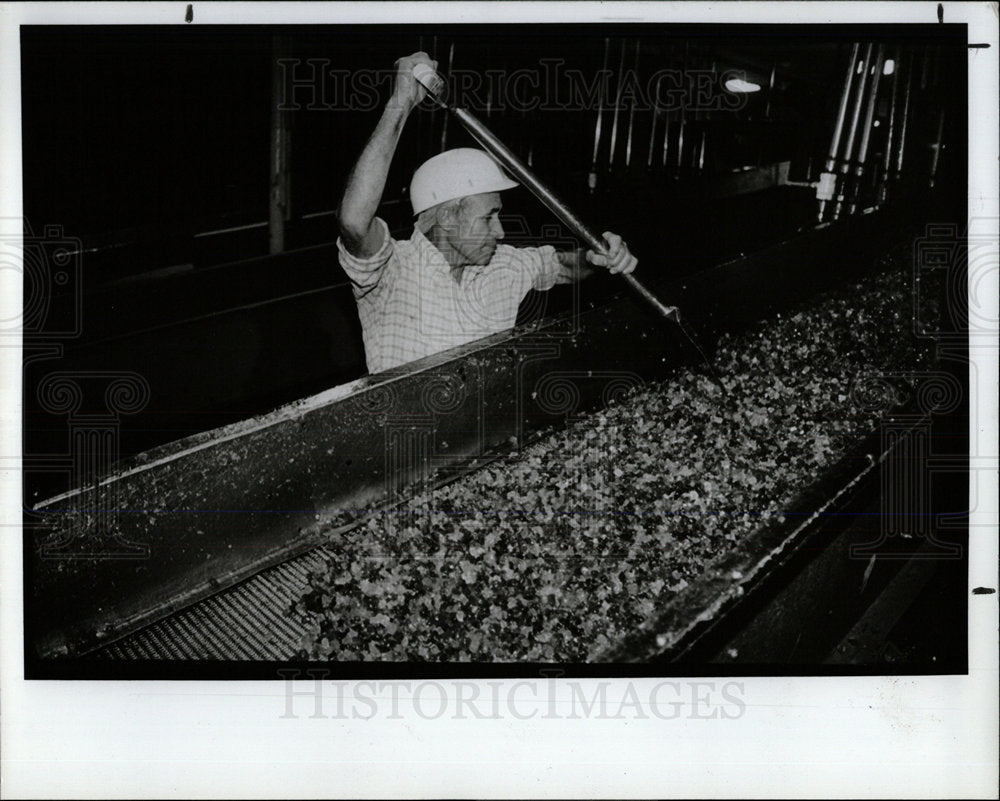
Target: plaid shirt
411, 306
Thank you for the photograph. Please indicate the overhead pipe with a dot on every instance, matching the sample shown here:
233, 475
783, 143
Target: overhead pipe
434, 84
631, 111
531, 147
680, 139
770, 89
680, 125
934, 57
489, 83
883, 186
704, 124
848, 153
666, 137
828, 179
903, 126
618, 98
866, 131
667, 114
592, 176
656, 116
696, 130
937, 148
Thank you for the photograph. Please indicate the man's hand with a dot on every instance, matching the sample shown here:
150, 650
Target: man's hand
407, 92
619, 258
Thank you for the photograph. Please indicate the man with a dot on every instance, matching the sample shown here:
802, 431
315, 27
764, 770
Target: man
452, 282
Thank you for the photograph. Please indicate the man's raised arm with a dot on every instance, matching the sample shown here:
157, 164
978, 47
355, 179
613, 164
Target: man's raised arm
366, 182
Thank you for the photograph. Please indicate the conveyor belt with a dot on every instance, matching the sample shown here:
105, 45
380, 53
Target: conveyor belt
202, 515
249, 621
252, 620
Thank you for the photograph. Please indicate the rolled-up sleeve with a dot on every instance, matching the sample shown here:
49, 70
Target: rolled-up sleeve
540, 266
550, 270
365, 274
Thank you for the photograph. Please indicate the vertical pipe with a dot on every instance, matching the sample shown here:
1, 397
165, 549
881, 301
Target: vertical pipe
489, 82
770, 90
906, 116
866, 130
937, 148
280, 147
890, 134
666, 136
592, 177
631, 111
652, 137
667, 114
444, 125
704, 116
652, 125
526, 137
618, 97
680, 139
848, 152
838, 128
680, 125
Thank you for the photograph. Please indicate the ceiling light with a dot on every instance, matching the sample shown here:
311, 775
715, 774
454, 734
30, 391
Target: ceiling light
739, 86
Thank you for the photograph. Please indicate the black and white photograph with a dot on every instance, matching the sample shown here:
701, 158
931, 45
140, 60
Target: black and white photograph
493, 362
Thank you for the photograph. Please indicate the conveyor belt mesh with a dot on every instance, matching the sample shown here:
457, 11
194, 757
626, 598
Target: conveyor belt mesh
248, 621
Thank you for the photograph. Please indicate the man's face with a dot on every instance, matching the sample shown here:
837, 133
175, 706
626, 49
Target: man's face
477, 228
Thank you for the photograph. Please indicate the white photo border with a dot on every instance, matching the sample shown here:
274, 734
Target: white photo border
903, 736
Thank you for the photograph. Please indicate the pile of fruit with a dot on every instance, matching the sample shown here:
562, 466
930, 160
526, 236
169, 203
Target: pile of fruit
557, 551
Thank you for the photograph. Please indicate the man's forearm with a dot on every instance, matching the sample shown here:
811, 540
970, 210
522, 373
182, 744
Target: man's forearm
366, 182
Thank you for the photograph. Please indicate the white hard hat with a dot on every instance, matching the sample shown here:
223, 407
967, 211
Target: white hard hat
456, 173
